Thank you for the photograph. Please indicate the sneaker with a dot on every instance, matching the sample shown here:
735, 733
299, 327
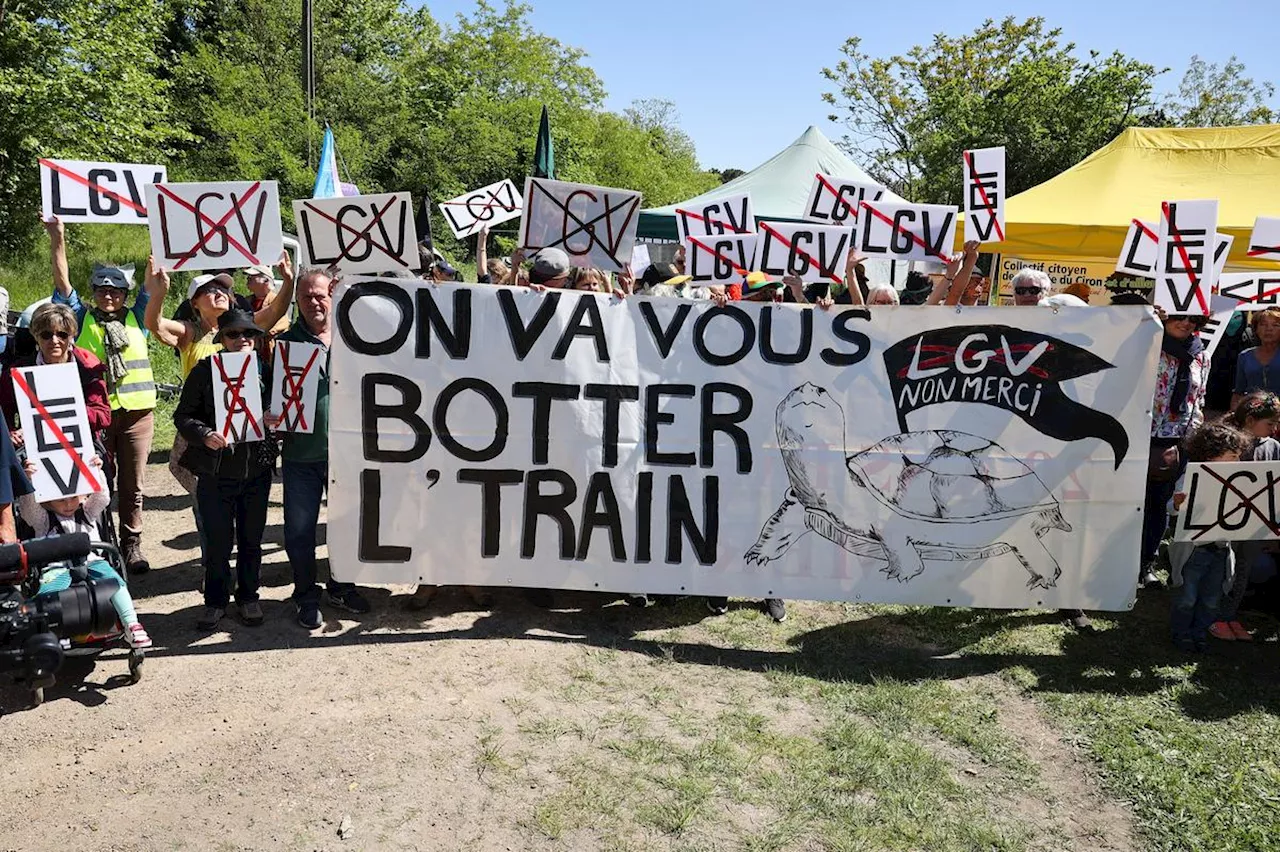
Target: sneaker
309, 615
1241, 634
209, 619
251, 613
1222, 630
351, 600
718, 606
137, 637
638, 601
776, 608
422, 597
480, 596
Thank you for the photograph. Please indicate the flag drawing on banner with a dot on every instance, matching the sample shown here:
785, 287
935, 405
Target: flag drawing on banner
295, 384
1251, 291
367, 233
237, 397
902, 231
55, 423
328, 184
1264, 242
984, 194
1184, 270
1138, 254
573, 440
1229, 501
594, 225
227, 225
720, 259
491, 205
836, 201
731, 214
811, 252
78, 191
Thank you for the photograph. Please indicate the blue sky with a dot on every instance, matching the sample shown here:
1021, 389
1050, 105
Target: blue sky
746, 75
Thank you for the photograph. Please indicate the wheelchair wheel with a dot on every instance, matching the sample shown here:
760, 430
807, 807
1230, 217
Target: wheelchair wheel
136, 658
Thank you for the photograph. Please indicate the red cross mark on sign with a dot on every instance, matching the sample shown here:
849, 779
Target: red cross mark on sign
292, 382
218, 227
987, 203
52, 424
853, 211
362, 235
1176, 236
915, 238
236, 404
610, 244
1248, 503
709, 250
98, 188
808, 257
711, 221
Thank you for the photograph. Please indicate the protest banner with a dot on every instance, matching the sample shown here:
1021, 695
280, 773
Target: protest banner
1138, 255
984, 194
594, 225
718, 260
1062, 273
295, 384
906, 231
55, 424
836, 201
495, 436
237, 397
1251, 291
1229, 501
811, 252
1264, 242
1184, 270
363, 233
80, 191
731, 214
488, 206
214, 225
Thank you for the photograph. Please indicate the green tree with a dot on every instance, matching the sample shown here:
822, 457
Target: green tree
1213, 96
1012, 83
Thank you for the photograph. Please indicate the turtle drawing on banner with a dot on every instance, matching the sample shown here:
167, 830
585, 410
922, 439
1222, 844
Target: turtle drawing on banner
939, 495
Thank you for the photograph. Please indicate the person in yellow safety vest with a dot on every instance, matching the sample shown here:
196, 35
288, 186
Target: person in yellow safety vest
117, 336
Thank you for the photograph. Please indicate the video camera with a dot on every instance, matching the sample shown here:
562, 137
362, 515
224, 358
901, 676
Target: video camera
32, 629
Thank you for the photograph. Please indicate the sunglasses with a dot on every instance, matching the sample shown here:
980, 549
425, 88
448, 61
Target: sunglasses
50, 335
1026, 291
212, 290
238, 334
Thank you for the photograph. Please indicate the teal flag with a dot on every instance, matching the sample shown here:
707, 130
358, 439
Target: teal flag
544, 156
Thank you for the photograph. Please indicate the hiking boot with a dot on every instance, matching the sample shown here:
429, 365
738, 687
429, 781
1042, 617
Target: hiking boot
134, 561
351, 600
718, 606
480, 596
309, 615
251, 613
776, 608
1222, 630
209, 619
1077, 619
422, 597
1241, 634
137, 637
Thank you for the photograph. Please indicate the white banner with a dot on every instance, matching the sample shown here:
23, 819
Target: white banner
361, 233
718, 260
906, 231
1252, 291
1264, 242
984, 194
215, 225
836, 201
1184, 271
488, 206
812, 252
731, 214
594, 225
55, 427
78, 191
237, 397
295, 384
572, 440
1229, 501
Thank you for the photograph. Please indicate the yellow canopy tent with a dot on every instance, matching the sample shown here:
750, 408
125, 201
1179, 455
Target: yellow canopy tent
1086, 211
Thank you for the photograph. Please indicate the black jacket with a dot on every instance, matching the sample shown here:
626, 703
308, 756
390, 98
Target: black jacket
194, 417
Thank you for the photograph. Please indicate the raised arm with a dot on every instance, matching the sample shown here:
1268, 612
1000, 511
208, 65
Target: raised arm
58, 256
271, 314
167, 331
482, 255
851, 279
969, 259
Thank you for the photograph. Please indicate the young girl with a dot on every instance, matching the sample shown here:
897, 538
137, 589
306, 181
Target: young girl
72, 515
1257, 416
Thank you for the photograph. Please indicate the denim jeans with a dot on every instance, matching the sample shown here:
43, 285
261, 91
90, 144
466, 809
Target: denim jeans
1195, 604
305, 484
232, 510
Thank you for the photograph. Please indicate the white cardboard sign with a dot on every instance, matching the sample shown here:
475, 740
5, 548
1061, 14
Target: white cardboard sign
732, 214
901, 231
984, 194
1229, 501
295, 384
55, 424
836, 201
1251, 291
80, 191
214, 225
1211, 332
1264, 242
1138, 255
720, 259
594, 225
485, 207
237, 397
360, 233
812, 252
1184, 272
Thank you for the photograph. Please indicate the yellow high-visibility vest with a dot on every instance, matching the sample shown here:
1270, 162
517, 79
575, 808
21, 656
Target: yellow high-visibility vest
137, 390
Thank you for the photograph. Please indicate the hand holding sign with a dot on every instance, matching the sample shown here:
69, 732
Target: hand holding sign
491, 205
55, 425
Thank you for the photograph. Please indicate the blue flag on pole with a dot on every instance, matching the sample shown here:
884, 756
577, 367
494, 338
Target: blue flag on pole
328, 184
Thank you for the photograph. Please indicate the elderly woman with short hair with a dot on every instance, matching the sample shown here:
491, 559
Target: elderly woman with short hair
1029, 287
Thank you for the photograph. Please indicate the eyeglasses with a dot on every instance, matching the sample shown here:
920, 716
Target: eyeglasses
212, 290
1027, 291
50, 335
238, 334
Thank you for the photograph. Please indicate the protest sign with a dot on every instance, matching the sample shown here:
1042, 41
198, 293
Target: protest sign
55, 425
1264, 242
902, 231
731, 214
594, 225
1184, 270
237, 397
1210, 334
717, 260
1229, 501
811, 252
835, 201
1062, 274
363, 233
984, 194
493, 437
488, 206
79, 191
1138, 255
1251, 291
295, 383
214, 225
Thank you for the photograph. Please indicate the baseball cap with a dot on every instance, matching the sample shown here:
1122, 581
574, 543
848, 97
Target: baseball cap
548, 264
259, 269
200, 282
662, 273
120, 277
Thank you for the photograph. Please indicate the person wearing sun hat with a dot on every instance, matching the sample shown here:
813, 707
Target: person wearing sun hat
263, 290
233, 481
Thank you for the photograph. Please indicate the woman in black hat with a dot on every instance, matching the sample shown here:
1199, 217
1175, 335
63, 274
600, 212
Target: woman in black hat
233, 482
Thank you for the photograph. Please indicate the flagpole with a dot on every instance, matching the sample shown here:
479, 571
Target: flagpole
308, 77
